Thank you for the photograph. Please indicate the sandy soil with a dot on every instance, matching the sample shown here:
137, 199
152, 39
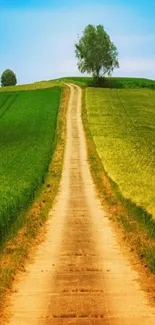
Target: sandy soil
80, 274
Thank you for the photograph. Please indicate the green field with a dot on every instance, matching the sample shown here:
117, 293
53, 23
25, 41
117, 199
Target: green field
113, 82
122, 123
27, 138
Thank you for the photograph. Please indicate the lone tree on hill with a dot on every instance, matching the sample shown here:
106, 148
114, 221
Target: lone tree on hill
8, 78
96, 53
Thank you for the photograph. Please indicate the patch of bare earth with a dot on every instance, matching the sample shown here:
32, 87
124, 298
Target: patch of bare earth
80, 274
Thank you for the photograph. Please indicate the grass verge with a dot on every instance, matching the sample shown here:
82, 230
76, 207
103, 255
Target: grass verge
17, 251
139, 236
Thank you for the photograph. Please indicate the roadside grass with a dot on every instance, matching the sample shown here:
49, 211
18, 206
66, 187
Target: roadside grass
27, 140
102, 120
30, 229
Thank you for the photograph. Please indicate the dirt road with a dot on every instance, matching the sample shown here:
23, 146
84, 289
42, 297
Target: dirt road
80, 275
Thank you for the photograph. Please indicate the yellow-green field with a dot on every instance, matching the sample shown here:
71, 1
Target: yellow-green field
33, 86
122, 123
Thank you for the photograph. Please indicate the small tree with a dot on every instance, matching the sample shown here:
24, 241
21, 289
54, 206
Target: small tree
96, 53
8, 78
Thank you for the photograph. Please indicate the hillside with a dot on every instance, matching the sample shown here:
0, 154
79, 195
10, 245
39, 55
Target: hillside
113, 82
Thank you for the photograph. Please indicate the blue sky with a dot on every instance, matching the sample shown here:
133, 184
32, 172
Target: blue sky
38, 36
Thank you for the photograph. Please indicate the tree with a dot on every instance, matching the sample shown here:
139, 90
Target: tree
96, 53
8, 78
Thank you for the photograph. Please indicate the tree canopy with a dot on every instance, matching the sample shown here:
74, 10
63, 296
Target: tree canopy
8, 78
96, 53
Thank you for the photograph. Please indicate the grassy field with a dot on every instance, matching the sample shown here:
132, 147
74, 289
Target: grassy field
32, 86
122, 123
114, 82
27, 139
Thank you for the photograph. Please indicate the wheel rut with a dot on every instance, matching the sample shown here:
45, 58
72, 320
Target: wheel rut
80, 275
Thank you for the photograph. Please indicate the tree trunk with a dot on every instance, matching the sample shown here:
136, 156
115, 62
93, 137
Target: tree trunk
97, 76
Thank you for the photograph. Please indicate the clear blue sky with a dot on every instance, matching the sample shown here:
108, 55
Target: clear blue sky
38, 36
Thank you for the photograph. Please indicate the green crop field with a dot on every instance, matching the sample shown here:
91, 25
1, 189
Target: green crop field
122, 123
27, 138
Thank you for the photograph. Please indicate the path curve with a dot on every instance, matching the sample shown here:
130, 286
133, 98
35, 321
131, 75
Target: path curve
79, 275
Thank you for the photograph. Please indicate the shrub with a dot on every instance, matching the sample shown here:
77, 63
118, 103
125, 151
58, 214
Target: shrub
8, 78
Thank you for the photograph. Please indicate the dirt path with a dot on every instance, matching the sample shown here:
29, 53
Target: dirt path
79, 276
